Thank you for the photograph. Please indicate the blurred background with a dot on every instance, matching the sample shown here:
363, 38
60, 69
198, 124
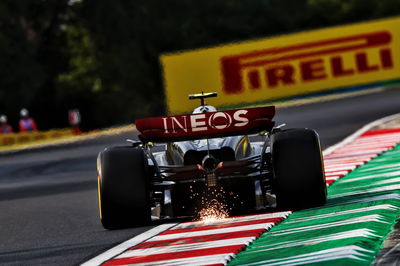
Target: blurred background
102, 57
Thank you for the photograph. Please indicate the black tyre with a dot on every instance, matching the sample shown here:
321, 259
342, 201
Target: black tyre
123, 188
299, 177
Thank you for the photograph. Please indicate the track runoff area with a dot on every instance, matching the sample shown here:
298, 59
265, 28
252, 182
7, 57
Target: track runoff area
363, 179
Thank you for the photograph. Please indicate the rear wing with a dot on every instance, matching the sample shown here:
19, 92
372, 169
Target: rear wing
206, 125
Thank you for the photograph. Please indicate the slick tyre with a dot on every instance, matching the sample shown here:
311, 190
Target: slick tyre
123, 188
299, 178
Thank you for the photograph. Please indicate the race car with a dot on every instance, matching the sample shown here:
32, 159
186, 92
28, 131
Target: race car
238, 158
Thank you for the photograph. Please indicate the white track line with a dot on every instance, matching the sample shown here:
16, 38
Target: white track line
127, 244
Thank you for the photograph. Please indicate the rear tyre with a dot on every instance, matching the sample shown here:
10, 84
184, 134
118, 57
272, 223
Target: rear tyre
299, 178
123, 188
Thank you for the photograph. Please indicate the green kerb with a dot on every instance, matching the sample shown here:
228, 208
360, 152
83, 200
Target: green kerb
361, 210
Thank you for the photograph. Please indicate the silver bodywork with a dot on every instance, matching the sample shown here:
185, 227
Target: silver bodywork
180, 166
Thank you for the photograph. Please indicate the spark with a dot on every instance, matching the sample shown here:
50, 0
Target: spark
212, 206
213, 211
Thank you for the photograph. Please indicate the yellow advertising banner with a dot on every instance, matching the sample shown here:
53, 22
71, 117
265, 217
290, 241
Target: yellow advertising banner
23, 138
284, 66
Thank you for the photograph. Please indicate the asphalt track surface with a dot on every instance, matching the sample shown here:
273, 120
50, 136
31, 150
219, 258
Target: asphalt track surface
48, 196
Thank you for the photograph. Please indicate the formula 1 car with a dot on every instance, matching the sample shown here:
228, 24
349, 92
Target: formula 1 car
209, 154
